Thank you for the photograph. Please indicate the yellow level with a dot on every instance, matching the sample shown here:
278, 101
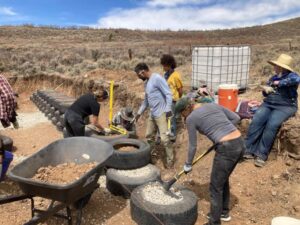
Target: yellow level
111, 99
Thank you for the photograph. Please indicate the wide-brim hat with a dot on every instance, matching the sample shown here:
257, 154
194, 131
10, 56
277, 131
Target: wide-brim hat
181, 104
284, 61
127, 114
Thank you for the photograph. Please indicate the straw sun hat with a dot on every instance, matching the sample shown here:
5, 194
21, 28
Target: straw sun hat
284, 61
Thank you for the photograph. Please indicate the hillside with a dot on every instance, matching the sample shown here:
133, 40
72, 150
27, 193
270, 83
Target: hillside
27, 50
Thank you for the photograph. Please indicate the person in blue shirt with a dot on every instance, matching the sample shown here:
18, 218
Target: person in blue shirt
158, 98
279, 104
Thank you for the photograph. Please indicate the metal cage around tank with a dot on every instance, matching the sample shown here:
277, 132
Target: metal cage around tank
215, 65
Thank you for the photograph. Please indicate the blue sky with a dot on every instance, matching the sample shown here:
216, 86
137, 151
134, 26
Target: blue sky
148, 14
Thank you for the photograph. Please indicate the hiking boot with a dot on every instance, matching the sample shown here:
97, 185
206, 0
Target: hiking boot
259, 162
172, 138
248, 156
224, 217
16, 125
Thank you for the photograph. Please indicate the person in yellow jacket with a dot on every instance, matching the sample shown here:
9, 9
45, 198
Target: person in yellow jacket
173, 78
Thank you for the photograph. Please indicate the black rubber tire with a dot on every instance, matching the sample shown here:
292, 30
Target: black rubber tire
90, 133
144, 212
7, 143
139, 157
119, 184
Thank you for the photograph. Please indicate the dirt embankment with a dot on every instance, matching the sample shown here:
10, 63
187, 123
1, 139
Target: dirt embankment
257, 195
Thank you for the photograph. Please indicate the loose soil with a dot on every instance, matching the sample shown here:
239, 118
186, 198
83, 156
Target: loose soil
126, 148
257, 194
63, 173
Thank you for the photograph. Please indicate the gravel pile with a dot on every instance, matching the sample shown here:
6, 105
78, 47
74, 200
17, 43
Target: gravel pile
63, 173
102, 181
143, 171
155, 193
27, 120
128, 148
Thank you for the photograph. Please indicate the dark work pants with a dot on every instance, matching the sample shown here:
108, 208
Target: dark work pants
74, 124
227, 155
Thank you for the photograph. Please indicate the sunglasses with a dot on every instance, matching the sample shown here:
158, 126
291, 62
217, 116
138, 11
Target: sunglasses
140, 73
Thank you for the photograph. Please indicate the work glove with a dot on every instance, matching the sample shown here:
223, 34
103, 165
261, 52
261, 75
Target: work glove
187, 168
135, 118
107, 131
169, 114
268, 89
102, 133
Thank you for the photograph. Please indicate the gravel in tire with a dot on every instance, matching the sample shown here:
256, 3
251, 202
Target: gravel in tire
168, 211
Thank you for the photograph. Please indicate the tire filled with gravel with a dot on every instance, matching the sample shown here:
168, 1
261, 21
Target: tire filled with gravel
123, 182
150, 204
129, 154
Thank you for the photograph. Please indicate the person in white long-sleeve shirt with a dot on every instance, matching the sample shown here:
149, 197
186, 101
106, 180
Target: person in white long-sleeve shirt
158, 98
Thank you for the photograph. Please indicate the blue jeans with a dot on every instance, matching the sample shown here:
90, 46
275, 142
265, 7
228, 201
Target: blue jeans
173, 120
264, 127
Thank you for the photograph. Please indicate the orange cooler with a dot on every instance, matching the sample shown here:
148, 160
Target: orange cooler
228, 96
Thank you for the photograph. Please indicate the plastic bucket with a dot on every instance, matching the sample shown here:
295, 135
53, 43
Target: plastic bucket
228, 96
8, 157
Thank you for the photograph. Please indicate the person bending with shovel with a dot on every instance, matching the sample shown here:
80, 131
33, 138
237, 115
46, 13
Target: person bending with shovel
84, 106
218, 124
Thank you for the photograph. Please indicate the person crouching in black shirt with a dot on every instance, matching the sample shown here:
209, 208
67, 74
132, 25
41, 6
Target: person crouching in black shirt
84, 106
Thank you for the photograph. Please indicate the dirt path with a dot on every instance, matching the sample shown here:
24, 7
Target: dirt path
258, 195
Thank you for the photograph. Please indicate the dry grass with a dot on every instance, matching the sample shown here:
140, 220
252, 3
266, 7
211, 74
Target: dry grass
28, 50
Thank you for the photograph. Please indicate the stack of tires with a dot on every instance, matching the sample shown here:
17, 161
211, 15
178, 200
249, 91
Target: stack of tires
130, 172
131, 168
53, 104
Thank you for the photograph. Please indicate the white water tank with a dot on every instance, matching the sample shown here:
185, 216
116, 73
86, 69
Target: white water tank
215, 65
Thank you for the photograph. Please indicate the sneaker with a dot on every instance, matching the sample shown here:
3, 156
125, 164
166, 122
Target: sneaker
248, 156
224, 217
259, 162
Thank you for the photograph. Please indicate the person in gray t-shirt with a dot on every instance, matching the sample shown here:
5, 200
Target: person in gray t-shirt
218, 124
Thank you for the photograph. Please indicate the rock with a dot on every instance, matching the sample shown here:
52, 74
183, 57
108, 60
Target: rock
274, 193
288, 162
276, 176
296, 208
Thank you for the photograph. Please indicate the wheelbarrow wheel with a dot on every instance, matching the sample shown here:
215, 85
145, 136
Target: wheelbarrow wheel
81, 203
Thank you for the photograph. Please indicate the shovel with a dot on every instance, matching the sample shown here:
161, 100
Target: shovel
167, 184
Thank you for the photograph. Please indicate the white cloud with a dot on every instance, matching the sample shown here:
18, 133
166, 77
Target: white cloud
190, 16
7, 11
174, 2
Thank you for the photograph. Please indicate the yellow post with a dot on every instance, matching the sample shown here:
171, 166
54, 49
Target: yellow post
111, 97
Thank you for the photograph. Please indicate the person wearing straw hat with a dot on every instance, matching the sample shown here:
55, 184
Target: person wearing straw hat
123, 119
280, 103
219, 125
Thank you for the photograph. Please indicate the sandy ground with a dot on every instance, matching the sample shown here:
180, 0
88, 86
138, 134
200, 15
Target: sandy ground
257, 194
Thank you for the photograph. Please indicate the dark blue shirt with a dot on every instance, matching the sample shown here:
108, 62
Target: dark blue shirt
286, 90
